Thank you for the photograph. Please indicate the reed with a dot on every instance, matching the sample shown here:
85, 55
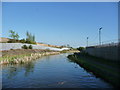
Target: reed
15, 59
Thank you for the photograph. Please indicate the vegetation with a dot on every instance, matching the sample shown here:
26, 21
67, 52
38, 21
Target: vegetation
30, 47
27, 47
11, 58
23, 41
107, 70
14, 35
24, 47
15, 38
22, 56
30, 38
80, 48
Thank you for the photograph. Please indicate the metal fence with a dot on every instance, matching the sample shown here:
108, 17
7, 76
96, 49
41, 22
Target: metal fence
114, 42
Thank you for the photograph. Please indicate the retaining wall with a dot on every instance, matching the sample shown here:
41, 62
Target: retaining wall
107, 52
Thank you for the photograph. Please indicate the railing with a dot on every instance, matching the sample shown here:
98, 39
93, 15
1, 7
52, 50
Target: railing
115, 42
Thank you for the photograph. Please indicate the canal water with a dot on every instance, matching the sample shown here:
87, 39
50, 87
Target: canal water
55, 71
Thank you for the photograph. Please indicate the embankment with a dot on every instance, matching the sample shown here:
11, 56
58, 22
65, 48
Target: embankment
105, 69
9, 46
23, 55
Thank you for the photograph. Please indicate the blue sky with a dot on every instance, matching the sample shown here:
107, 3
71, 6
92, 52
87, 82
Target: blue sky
63, 22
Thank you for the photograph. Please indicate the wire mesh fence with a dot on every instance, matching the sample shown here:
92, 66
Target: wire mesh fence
114, 42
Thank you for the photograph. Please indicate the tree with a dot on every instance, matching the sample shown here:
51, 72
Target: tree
27, 36
14, 35
30, 38
17, 36
34, 38
81, 48
68, 45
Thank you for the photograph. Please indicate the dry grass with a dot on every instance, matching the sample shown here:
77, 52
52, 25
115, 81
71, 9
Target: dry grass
22, 51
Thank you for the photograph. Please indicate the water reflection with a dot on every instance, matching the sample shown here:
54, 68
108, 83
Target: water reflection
93, 73
56, 71
12, 70
29, 68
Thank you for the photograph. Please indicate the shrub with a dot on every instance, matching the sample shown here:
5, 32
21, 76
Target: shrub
22, 40
30, 47
11, 41
24, 47
81, 48
30, 42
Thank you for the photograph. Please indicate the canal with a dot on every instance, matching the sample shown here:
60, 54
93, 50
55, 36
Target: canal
55, 71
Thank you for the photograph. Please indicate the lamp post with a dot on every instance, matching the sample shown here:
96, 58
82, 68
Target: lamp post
100, 36
87, 41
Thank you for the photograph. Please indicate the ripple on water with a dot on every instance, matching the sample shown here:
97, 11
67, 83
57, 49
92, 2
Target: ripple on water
49, 72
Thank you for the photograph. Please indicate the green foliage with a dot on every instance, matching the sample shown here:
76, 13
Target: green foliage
27, 47
30, 47
17, 36
97, 67
24, 47
30, 42
14, 35
11, 41
30, 38
64, 51
68, 45
80, 48
10, 58
23, 41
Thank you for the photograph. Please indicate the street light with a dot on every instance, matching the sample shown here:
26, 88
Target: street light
87, 41
100, 36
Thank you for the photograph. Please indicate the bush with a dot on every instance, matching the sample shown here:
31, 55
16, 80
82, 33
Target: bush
30, 42
27, 47
30, 47
24, 47
11, 41
80, 48
22, 40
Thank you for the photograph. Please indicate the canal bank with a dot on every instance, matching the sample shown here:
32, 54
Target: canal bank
106, 69
24, 55
15, 56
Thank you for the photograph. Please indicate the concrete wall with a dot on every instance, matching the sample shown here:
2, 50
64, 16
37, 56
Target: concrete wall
107, 52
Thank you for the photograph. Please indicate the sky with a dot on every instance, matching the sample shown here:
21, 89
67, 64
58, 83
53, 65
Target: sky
60, 0
62, 23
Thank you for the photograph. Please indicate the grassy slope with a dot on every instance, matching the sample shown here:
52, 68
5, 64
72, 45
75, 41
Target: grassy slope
10, 55
105, 69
